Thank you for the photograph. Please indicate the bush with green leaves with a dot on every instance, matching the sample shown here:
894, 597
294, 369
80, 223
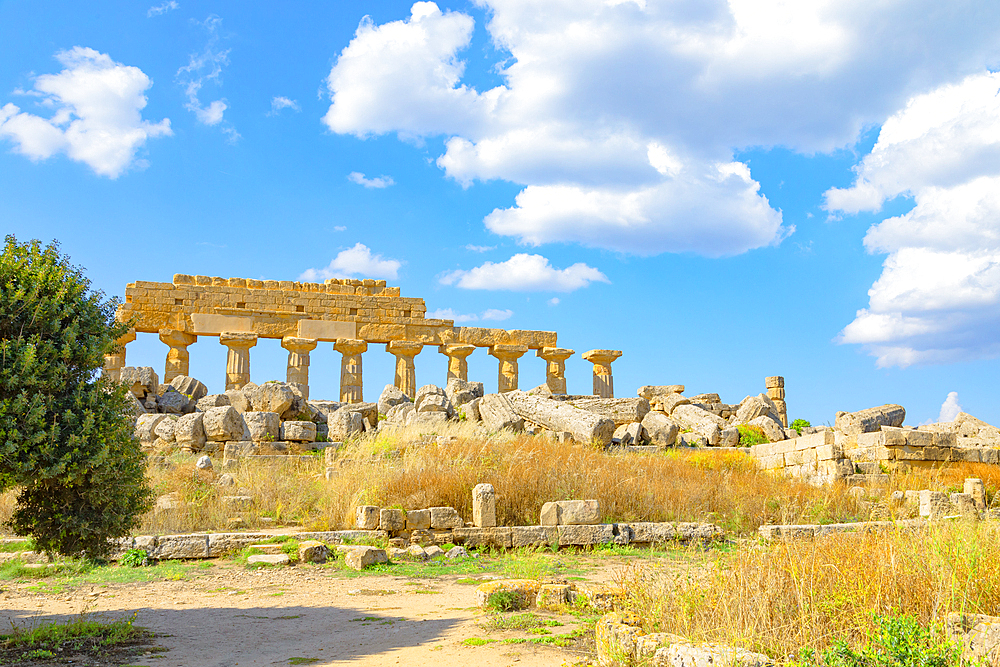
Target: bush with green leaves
134, 558
897, 641
751, 435
800, 424
66, 434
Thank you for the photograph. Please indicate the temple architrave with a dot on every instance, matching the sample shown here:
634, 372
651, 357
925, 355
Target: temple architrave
350, 314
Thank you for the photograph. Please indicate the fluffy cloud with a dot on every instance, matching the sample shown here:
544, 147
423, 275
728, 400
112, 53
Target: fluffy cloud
96, 114
207, 67
354, 262
163, 8
525, 273
377, 182
938, 298
631, 112
950, 408
279, 103
488, 314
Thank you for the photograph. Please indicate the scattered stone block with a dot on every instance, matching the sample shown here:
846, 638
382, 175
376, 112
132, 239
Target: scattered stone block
534, 536
975, 488
223, 424
456, 553
661, 429
367, 517
190, 387
416, 552
434, 551
523, 592
484, 508
477, 538
870, 420
390, 397
444, 518
618, 410
262, 426
313, 551
269, 559
934, 504
360, 557
298, 431
552, 596
581, 535
391, 520
418, 519
496, 413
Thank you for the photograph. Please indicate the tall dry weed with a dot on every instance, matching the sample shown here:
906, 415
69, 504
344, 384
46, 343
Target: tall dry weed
779, 598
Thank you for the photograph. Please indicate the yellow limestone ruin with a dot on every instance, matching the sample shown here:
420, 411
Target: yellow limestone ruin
348, 313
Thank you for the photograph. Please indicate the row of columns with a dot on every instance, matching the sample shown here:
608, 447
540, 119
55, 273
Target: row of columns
238, 362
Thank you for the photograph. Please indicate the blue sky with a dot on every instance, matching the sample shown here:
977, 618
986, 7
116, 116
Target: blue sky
722, 190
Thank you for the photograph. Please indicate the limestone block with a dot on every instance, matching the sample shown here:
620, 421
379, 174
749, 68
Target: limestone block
212, 401
223, 424
427, 419
425, 391
615, 641
772, 429
552, 596
729, 437
752, 407
274, 397
189, 432
443, 518
367, 517
871, 419
586, 535
313, 551
263, 426
964, 504
661, 429
238, 400
667, 403
689, 416
461, 392
165, 429
477, 538
934, 504
434, 551
497, 413
418, 519
977, 634
367, 411
323, 409
173, 402
471, 410
190, 387
585, 425
524, 589
975, 488
140, 380
391, 520
635, 434
652, 533
399, 413
390, 397
344, 423
171, 547
298, 431
360, 557
683, 654
434, 403
619, 410
692, 440
650, 391
534, 536
145, 428
484, 506
774, 382
570, 513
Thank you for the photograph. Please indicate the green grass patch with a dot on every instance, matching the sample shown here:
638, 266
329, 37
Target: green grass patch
17, 545
97, 639
523, 621
60, 576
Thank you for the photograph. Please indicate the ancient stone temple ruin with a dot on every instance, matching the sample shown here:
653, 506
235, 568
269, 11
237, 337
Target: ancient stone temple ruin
350, 314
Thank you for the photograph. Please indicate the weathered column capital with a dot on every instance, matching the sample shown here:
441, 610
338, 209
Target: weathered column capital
554, 353
404, 348
115, 360
604, 385
126, 338
458, 366
238, 340
299, 345
458, 350
177, 357
506, 352
175, 337
350, 346
775, 385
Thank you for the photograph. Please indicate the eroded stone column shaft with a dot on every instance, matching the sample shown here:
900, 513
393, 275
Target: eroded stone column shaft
776, 392
114, 362
238, 360
177, 356
406, 374
351, 390
458, 365
298, 360
604, 385
508, 356
555, 367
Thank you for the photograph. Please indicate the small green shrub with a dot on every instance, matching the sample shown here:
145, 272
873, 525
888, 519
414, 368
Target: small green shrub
799, 424
134, 558
751, 435
897, 641
506, 601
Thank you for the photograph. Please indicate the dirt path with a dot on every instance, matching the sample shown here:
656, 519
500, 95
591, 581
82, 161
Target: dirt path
233, 616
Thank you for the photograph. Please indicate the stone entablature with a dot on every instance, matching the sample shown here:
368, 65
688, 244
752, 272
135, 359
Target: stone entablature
361, 309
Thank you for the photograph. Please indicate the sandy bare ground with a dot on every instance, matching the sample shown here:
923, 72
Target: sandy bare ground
227, 615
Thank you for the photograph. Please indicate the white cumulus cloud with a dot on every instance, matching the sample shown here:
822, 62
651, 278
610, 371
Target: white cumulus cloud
162, 8
96, 114
938, 298
493, 314
377, 182
497, 315
524, 273
950, 408
621, 119
278, 103
354, 262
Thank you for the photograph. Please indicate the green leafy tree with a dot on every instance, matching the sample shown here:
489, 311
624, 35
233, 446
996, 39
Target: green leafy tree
66, 436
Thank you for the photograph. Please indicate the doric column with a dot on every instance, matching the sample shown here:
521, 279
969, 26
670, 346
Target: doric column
298, 360
177, 357
508, 356
113, 362
458, 367
555, 367
604, 385
238, 361
776, 392
406, 374
350, 369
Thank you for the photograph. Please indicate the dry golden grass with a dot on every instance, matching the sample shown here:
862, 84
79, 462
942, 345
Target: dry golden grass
779, 598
